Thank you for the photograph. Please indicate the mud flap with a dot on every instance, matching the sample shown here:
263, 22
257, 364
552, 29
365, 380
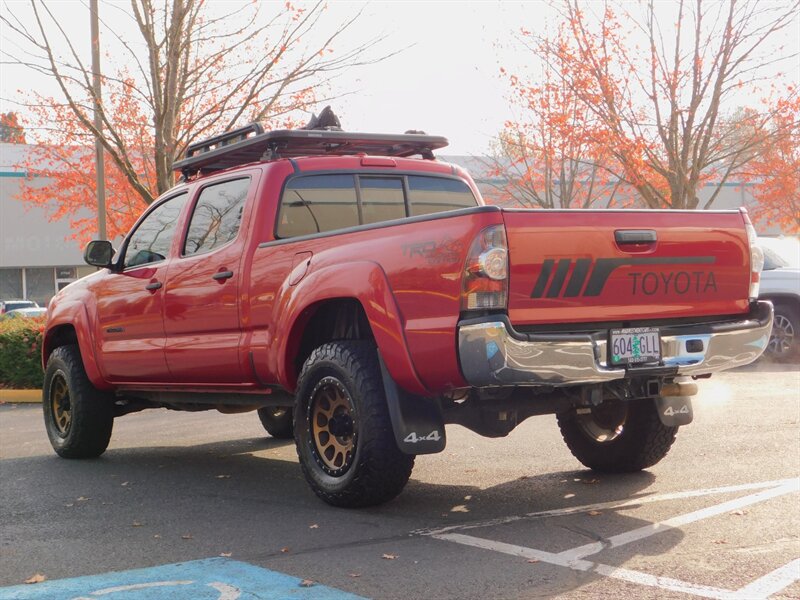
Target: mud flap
417, 422
674, 410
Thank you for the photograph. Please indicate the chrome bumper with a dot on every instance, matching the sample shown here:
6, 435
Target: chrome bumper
492, 354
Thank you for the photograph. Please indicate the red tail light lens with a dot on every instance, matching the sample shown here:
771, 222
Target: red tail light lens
485, 282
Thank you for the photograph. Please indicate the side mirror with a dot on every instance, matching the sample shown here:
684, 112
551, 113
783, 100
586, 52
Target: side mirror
99, 253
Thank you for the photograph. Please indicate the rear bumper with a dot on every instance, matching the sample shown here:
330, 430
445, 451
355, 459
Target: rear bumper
491, 353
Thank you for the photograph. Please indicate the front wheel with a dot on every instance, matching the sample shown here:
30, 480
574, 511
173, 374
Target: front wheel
343, 432
78, 417
615, 436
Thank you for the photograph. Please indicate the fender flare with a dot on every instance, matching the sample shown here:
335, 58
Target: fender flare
76, 315
364, 281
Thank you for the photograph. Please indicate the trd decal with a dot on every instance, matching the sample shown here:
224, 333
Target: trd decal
444, 251
680, 282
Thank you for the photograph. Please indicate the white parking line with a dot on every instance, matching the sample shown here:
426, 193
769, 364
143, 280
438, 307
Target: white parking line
612, 505
654, 528
575, 557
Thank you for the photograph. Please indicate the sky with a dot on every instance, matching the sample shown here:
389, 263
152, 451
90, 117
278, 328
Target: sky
445, 81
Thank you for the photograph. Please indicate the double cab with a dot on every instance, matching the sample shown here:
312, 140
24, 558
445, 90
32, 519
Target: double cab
359, 295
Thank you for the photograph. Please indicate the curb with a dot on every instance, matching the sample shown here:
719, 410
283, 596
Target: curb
25, 396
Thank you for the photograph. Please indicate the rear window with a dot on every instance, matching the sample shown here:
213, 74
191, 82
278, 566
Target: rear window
319, 203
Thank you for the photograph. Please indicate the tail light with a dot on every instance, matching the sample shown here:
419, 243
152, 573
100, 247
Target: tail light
756, 257
485, 282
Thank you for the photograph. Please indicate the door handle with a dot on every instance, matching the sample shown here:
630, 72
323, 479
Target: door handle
153, 286
222, 275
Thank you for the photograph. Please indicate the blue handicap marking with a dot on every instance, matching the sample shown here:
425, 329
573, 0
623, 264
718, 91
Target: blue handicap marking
209, 579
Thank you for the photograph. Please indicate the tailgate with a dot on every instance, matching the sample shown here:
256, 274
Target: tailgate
608, 266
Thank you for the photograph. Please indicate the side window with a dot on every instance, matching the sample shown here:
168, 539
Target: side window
317, 203
382, 199
435, 194
151, 240
217, 216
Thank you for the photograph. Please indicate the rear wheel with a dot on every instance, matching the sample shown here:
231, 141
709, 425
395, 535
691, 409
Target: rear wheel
78, 417
617, 437
343, 431
277, 420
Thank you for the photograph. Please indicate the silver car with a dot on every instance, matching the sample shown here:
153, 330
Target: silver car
780, 283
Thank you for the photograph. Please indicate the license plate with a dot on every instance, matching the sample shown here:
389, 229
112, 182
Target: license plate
634, 345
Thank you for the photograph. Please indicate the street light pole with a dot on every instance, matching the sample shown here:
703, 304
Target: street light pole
98, 123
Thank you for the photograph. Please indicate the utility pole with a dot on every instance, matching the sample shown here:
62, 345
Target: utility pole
98, 123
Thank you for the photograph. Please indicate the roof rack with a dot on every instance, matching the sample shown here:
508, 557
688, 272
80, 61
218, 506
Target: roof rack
251, 143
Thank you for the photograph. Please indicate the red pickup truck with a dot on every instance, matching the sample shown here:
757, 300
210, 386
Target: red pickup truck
359, 295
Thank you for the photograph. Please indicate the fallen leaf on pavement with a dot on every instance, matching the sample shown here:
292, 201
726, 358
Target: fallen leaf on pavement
594, 513
306, 583
314, 526
389, 556
533, 560
124, 483
82, 499
226, 554
223, 476
136, 524
157, 536
590, 481
38, 578
739, 512
285, 549
355, 574
186, 536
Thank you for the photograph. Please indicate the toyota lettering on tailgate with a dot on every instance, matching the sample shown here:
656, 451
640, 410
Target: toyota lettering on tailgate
642, 282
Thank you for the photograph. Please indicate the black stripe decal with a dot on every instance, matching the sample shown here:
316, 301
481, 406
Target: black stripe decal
578, 277
544, 275
558, 278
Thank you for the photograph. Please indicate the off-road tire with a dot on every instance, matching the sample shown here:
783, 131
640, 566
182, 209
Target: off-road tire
643, 441
784, 345
378, 471
91, 411
278, 425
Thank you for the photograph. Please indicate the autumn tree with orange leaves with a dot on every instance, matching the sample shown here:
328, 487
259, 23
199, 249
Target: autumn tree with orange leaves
659, 85
551, 159
183, 73
774, 173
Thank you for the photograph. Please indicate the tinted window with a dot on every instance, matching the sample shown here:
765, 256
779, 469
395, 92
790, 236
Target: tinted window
151, 240
381, 199
317, 203
217, 216
435, 194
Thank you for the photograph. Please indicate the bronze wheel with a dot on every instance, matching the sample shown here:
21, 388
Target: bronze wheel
332, 426
605, 422
60, 404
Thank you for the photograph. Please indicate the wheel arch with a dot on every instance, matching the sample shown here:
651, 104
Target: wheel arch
70, 325
358, 299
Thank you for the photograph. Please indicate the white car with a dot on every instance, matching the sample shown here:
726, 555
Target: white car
780, 283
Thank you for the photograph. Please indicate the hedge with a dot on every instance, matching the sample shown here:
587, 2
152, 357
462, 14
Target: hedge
21, 353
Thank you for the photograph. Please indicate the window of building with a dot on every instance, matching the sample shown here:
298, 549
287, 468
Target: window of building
40, 284
318, 203
217, 216
429, 195
151, 240
382, 199
11, 284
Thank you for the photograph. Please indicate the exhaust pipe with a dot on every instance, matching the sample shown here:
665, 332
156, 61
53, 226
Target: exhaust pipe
679, 388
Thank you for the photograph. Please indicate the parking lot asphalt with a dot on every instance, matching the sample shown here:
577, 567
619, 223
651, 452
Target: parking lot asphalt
511, 518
